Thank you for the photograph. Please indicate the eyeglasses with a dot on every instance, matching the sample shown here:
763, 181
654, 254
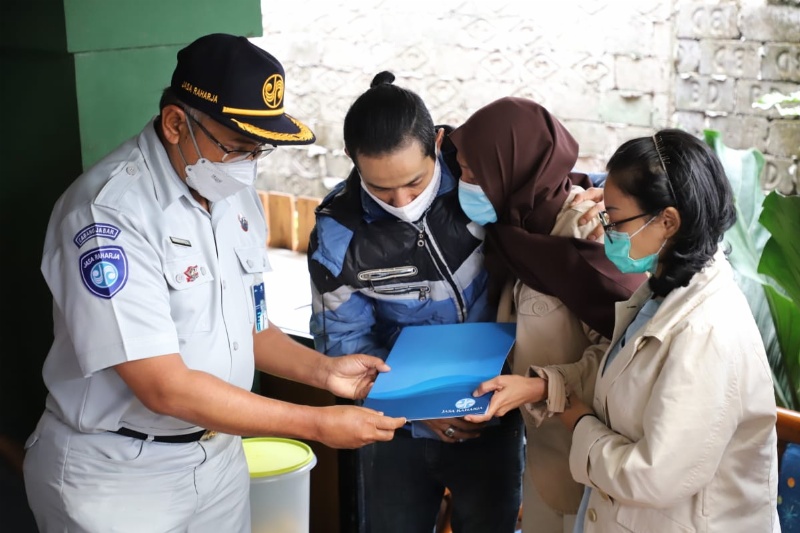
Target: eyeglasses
608, 225
232, 156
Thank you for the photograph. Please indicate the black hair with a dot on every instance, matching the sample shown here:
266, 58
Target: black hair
387, 117
675, 169
169, 97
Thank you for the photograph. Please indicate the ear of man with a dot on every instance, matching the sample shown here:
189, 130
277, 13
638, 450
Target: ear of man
439, 138
173, 122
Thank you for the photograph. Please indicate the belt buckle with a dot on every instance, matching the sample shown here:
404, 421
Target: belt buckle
209, 434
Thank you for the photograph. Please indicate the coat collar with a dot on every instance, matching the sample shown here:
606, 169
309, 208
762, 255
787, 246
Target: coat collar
682, 301
677, 305
169, 187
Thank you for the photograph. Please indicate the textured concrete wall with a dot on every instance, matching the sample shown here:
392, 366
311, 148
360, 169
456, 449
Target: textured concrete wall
729, 54
610, 70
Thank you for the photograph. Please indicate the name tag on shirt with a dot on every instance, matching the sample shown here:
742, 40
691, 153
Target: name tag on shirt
260, 303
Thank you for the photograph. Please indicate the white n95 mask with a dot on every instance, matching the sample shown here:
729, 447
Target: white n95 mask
412, 211
215, 181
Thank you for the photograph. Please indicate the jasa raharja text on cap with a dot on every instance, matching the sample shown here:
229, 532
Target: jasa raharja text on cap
239, 85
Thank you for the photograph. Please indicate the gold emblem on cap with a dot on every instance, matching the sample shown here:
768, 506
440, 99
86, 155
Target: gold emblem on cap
272, 91
303, 133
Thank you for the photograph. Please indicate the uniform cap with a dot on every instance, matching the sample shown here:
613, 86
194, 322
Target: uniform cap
239, 85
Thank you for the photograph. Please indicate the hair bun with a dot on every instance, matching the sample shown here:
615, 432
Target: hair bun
382, 78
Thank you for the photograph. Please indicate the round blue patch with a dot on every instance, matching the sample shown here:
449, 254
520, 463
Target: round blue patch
104, 270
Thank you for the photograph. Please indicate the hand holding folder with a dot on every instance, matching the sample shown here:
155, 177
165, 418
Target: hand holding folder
435, 369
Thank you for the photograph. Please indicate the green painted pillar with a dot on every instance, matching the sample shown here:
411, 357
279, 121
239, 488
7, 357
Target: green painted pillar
78, 77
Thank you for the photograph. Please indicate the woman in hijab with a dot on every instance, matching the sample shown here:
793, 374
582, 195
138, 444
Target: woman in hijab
518, 183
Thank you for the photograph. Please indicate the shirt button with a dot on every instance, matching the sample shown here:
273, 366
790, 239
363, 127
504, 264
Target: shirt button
591, 514
203, 270
235, 346
179, 278
131, 170
250, 263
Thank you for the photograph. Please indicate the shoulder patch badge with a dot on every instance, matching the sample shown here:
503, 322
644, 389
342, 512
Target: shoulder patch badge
104, 270
95, 230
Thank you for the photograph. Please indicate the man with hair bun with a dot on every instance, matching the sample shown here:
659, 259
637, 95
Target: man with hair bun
393, 248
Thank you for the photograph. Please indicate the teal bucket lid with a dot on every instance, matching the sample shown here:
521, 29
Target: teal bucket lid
273, 456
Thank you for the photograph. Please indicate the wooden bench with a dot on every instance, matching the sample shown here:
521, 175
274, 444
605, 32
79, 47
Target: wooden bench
788, 427
290, 219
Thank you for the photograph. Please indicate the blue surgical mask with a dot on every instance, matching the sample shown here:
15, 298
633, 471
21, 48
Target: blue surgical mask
475, 203
618, 251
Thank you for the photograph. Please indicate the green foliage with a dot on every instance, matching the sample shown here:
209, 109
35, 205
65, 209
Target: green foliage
747, 240
781, 256
786, 316
747, 237
780, 261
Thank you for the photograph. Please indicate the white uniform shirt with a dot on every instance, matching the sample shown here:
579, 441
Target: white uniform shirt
137, 269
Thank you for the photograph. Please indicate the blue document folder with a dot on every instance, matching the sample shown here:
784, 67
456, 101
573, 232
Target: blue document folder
435, 369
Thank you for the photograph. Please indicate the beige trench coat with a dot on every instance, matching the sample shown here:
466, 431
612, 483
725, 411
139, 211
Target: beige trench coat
685, 436
548, 334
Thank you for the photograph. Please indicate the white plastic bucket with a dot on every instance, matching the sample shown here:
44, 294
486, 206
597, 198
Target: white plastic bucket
280, 484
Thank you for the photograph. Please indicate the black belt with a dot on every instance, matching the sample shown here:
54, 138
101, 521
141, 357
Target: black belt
175, 439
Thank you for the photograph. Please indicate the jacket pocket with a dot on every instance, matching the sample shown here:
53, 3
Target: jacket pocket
645, 520
385, 274
421, 289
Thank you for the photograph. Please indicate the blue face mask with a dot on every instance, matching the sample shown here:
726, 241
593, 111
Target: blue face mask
618, 250
475, 203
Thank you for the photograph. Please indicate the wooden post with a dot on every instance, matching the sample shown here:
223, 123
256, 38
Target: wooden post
281, 220
788, 428
305, 220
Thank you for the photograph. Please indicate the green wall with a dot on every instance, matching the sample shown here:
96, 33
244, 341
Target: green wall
78, 77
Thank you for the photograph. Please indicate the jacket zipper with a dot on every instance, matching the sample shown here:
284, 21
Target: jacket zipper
383, 274
424, 236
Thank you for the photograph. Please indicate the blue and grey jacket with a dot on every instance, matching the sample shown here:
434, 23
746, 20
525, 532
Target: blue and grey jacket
372, 273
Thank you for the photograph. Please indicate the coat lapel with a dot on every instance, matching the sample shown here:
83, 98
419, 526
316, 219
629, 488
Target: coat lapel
623, 316
676, 306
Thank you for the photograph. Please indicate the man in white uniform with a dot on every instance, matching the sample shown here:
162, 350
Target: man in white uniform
154, 257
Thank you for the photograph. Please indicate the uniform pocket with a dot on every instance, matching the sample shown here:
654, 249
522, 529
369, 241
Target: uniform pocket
191, 293
107, 448
254, 261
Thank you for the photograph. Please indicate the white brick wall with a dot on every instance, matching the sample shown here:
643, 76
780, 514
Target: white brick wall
609, 69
